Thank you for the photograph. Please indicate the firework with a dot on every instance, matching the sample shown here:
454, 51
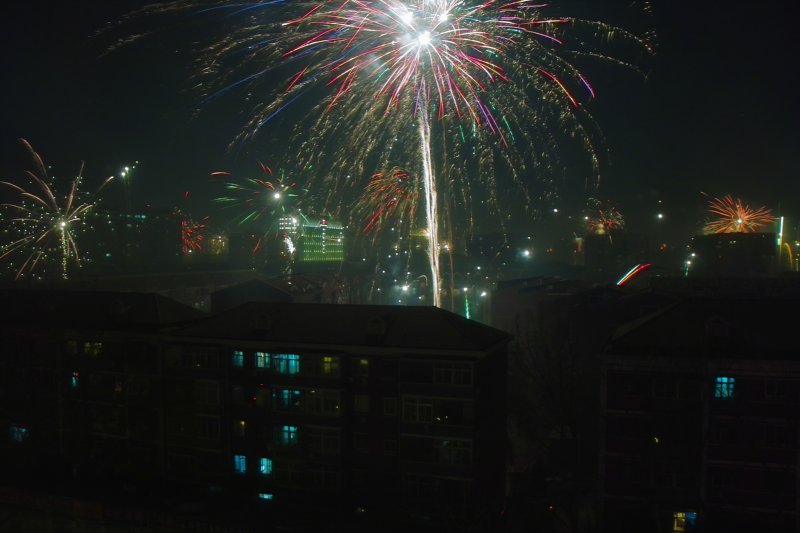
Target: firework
492, 83
604, 219
389, 198
732, 215
257, 198
42, 220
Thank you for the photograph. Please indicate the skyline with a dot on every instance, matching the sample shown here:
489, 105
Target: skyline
688, 128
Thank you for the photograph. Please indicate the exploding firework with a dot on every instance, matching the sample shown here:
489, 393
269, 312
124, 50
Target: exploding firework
473, 92
257, 198
731, 215
43, 221
603, 220
390, 198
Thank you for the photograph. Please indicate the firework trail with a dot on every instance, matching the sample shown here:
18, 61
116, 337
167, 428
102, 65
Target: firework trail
493, 82
267, 196
41, 220
604, 219
732, 215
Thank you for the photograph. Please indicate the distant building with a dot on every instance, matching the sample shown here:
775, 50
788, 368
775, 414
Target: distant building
383, 418
320, 242
733, 254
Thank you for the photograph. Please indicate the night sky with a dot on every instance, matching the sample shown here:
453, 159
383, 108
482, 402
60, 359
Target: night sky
716, 114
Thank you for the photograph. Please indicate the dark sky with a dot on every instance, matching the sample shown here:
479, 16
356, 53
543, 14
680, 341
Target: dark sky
717, 113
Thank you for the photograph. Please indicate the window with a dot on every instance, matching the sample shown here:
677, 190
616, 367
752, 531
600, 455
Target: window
208, 428
19, 433
287, 400
322, 402
683, 521
417, 410
262, 360
389, 406
239, 428
93, 349
330, 365
389, 446
723, 387
361, 442
287, 435
361, 403
361, 367
454, 452
286, 363
240, 464
207, 392
74, 380
265, 496
237, 359
322, 440
452, 373
264, 466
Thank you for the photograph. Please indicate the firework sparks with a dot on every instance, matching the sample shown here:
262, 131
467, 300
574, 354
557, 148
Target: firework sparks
732, 215
267, 196
490, 82
604, 219
389, 198
42, 220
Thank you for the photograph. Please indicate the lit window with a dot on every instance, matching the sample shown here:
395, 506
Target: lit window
262, 360
239, 464
330, 365
74, 380
240, 427
723, 387
286, 363
265, 466
265, 496
683, 521
288, 435
362, 367
93, 349
19, 433
237, 359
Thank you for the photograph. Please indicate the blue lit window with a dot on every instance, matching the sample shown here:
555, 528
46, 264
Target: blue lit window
288, 435
239, 464
723, 387
286, 363
75, 380
238, 359
265, 466
19, 433
262, 360
265, 495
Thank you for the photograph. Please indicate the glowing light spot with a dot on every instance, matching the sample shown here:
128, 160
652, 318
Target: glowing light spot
424, 38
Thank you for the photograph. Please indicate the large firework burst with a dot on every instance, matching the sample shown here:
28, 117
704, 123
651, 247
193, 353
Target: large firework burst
476, 93
732, 215
41, 220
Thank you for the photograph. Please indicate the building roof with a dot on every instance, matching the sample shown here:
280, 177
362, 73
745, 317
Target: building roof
729, 327
92, 308
348, 325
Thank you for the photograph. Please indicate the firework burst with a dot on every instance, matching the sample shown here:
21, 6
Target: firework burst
732, 215
479, 95
390, 198
41, 220
604, 219
264, 197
